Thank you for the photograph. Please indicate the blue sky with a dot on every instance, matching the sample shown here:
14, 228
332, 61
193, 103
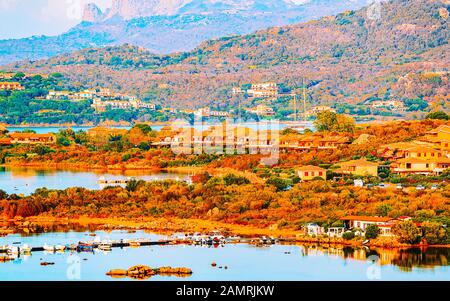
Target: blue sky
24, 18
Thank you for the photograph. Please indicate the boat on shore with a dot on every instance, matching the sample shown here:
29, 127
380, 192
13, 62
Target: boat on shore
85, 247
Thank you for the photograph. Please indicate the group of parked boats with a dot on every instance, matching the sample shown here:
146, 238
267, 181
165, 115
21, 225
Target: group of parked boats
216, 238
17, 249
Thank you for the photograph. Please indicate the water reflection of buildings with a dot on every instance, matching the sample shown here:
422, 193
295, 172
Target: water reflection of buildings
405, 259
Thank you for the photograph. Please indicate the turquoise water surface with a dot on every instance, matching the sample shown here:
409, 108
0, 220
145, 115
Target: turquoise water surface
27, 180
243, 261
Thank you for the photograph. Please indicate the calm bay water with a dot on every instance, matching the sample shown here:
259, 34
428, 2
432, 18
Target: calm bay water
244, 262
27, 180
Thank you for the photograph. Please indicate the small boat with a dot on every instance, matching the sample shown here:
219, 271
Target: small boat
105, 246
60, 248
72, 247
25, 249
49, 248
85, 247
216, 237
233, 239
13, 250
134, 244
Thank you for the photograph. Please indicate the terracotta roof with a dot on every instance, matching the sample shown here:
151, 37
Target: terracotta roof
428, 160
360, 162
366, 218
311, 168
412, 160
422, 149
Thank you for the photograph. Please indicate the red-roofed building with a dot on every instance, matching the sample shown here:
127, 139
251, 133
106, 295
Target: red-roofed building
310, 172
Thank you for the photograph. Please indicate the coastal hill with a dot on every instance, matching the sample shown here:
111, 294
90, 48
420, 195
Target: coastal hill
398, 50
164, 26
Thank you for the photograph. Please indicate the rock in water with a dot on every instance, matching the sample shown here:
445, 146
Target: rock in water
117, 273
140, 272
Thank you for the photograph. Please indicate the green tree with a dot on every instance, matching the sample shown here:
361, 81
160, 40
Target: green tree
407, 232
279, 183
384, 209
348, 235
328, 121
134, 184
438, 115
145, 128
231, 179
63, 141
42, 150
434, 233
372, 231
325, 121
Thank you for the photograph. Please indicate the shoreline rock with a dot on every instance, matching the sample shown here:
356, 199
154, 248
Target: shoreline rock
144, 272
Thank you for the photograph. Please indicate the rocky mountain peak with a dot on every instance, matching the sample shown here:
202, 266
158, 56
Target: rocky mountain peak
92, 13
130, 9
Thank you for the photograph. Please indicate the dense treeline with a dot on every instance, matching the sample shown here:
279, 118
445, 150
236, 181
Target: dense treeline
30, 106
233, 199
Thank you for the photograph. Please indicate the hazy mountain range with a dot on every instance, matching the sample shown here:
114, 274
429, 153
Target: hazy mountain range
166, 26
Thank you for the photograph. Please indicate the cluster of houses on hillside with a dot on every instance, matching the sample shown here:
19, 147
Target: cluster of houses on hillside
28, 138
11, 86
313, 141
428, 155
392, 105
102, 99
358, 224
207, 112
259, 90
262, 111
218, 137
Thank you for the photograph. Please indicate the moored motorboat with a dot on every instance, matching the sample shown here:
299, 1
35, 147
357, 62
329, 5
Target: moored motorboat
105, 246
85, 247
49, 248
134, 243
13, 250
60, 248
25, 249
